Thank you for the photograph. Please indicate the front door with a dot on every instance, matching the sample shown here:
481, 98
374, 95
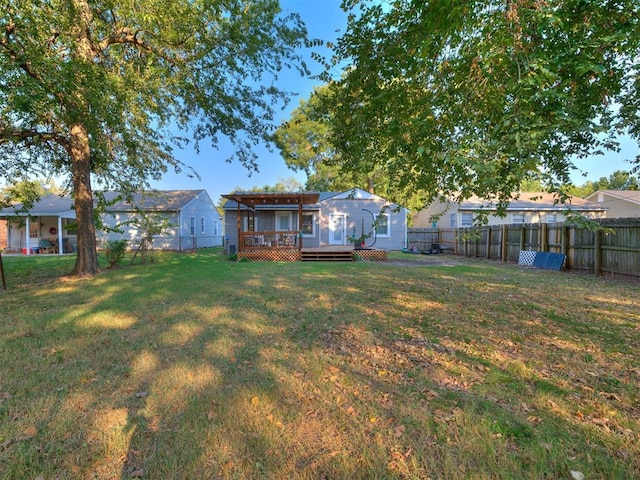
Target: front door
337, 229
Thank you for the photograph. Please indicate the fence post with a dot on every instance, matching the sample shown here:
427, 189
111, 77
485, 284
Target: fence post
544, 241
488, 242
503, 243
597, 245
523, 233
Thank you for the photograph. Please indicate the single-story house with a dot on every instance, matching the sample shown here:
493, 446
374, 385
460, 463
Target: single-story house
526, 207
192, 221
313, 220
621, 203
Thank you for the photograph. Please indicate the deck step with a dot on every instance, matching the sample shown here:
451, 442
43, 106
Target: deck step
329, 256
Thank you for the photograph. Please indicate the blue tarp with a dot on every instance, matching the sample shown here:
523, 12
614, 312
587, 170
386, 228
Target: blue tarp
550, 261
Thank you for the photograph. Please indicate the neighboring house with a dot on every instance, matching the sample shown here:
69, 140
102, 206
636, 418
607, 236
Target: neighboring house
191, 216
320, 219
50, 219
192, 219
529, 207
620, 203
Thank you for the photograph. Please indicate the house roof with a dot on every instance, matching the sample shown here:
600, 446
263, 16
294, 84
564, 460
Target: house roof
49, 205
533, 201
162, 200
632, 196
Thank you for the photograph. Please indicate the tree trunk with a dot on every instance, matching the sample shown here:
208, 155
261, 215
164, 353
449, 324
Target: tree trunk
87, 258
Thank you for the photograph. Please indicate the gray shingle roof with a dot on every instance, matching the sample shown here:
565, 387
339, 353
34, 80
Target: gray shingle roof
162, 200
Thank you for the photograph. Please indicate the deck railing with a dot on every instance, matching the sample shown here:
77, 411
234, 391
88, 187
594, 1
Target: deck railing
269, 240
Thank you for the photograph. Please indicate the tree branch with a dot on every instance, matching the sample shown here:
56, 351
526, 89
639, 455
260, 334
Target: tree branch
30, 136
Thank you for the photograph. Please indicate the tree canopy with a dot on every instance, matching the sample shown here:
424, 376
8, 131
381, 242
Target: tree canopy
471, 98
103, 93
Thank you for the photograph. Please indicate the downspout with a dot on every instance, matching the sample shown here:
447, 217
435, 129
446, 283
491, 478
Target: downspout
180, 230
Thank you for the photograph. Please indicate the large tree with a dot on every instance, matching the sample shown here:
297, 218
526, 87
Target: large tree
471, 98
305, 144
106, 90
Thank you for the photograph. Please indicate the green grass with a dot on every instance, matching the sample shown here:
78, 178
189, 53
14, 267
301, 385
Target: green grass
198, 367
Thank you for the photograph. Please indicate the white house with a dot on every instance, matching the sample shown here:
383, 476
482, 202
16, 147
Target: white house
192, 221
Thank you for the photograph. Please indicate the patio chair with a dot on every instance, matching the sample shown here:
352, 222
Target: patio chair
46, 246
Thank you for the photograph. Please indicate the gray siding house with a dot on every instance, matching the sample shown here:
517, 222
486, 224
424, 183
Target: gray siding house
335, 219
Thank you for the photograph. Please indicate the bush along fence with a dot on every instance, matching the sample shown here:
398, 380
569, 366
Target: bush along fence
611, 251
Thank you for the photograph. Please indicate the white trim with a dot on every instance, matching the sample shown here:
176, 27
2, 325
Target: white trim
286, 215
342, 217
388, 217
314, 230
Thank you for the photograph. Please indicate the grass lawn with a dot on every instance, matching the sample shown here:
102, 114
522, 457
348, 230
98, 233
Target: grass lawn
195, 367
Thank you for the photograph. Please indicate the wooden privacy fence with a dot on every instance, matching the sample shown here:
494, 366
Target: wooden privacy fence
615, 251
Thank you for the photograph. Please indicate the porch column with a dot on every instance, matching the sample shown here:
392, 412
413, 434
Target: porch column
27, 236
60, 244
299, 223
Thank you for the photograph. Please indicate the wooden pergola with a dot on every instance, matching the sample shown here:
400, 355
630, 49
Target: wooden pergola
270, 245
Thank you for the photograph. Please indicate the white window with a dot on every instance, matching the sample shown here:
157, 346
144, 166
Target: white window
551, 218
382, 225
517, 218
202, 226
466, 219
283, 221
308, 227
452, 220
192, 226
215, 228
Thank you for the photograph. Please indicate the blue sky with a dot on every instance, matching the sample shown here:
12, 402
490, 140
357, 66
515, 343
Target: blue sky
325, 20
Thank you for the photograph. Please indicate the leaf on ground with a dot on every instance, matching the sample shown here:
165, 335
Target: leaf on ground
5, 395
27, 434
142, 394
577, 475
255, 401
399, 431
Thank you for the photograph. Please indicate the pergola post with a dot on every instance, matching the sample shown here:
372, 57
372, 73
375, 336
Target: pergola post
300, 224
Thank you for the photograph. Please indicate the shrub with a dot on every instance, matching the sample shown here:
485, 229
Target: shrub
114, 251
